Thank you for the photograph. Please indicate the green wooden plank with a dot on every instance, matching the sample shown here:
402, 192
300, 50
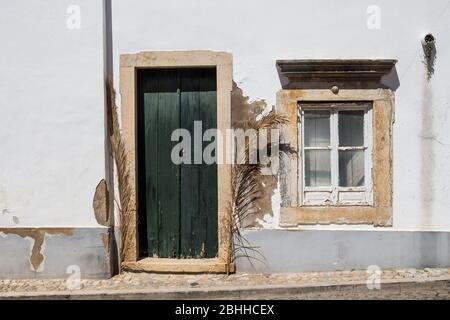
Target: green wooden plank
151, 101
168, 172
208, 172
201, 216
189, 172
141, 178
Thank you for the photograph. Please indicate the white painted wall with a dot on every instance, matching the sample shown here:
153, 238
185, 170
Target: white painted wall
52, 101
51, 113
258, 32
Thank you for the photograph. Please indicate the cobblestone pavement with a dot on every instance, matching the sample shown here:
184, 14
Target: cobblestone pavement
420, 283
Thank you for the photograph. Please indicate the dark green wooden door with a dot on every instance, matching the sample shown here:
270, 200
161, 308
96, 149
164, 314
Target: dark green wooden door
177, 203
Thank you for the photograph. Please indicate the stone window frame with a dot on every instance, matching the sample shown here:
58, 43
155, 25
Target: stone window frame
129, 64
292, 213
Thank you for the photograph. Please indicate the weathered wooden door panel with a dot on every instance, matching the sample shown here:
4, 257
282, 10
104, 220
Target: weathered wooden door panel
148, 177
208, 173
177, 203
198, 180
190, 103
168, 188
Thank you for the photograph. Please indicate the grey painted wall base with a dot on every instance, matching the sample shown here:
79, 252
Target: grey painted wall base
86, 249
283, 251
322, 250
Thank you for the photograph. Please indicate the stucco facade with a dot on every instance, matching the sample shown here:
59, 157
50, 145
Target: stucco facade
55, 148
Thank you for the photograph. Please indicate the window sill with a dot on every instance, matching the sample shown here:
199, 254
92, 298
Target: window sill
309, 215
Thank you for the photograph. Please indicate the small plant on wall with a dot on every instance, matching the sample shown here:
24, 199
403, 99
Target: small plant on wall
429, 49
429, 45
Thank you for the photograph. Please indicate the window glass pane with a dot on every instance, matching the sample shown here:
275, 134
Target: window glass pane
317, 129
351, 168
317, 168
351, 128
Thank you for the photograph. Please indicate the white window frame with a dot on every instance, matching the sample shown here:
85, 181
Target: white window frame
335, 195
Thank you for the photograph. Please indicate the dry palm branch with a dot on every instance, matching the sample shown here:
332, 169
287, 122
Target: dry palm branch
246, 189
125, 188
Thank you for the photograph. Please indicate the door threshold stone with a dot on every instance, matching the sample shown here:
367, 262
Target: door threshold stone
166, 265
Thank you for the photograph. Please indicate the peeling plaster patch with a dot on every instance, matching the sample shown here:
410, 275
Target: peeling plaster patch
263, 205
101, 203
16, 219
242, 111
265, 111
33, 259
37, 258
36, 236
276, 205
272, 221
